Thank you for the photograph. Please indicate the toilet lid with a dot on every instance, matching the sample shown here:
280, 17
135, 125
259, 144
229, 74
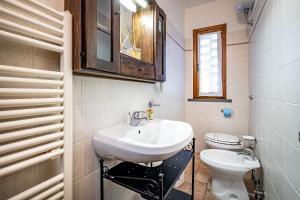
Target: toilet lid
222, 138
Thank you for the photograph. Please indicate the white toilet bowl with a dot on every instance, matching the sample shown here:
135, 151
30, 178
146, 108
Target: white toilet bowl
222, 141
228, 169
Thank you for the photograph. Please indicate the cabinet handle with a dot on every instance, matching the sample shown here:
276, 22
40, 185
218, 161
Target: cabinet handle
117, 13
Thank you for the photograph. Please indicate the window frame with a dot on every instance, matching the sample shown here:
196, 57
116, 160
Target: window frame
217, 28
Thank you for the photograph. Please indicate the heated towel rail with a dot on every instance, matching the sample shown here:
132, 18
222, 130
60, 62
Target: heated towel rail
36, 105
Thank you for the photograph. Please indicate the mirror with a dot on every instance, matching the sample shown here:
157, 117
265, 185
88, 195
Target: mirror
136, 29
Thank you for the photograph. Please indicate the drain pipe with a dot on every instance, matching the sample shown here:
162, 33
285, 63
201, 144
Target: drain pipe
257, 178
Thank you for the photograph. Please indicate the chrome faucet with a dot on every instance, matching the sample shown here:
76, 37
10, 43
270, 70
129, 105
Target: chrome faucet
247, 152
137, 117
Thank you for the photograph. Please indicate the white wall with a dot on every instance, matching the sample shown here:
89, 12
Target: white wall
175, 13
99, 103
208, 14
206, 116
275, 84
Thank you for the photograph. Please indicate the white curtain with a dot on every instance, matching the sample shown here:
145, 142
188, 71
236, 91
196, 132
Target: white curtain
210, 64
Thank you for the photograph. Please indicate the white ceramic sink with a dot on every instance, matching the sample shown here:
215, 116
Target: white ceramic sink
151, 141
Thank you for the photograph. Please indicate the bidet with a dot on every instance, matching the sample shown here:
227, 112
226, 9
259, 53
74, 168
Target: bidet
228, 169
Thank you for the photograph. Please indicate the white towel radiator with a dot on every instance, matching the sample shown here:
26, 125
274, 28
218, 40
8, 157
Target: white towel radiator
36, 105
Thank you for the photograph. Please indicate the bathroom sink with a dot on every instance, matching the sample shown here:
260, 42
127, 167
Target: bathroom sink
151, 141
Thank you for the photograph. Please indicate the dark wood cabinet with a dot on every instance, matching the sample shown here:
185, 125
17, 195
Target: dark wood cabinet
113, 41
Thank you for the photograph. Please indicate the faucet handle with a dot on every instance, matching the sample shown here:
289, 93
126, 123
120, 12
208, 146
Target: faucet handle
139, 115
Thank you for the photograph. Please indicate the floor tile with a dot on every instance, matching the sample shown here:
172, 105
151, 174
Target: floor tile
208, 195
185, 187
199, 195
202, 177
200, 187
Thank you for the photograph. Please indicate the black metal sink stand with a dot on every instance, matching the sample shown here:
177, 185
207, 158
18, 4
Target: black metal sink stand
152, 183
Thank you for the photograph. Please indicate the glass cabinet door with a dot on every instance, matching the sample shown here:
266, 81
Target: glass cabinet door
102, 34
137, 29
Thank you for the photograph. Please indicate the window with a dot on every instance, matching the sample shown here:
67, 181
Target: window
209, 62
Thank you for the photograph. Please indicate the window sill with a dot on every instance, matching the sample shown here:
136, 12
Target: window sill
211, 100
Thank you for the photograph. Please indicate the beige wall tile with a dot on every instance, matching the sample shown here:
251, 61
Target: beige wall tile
77, 161
47, 60
78, 191
77, 124
91, 186
90, 162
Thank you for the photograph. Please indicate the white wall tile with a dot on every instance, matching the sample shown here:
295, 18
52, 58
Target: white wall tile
292, 124
292, 31
274, 81
95, 90
292, 165
290, 82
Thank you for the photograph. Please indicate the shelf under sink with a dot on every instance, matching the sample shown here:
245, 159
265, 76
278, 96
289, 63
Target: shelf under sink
145, 180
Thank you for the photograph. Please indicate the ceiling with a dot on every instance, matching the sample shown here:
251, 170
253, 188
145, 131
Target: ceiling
192, 3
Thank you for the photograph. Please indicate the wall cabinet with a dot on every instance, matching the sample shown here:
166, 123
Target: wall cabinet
119, 39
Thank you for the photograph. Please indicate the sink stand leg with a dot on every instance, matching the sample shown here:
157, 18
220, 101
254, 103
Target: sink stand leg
161, 186
101, 179
193, 170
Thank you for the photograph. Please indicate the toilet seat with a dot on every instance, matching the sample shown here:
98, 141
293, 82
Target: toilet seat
222, 141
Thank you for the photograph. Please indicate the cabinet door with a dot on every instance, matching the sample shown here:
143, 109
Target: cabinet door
101, 35
160, 61
137, 36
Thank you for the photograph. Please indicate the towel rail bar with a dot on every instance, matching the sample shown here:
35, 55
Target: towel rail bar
33, 11
30, 132
57, 196
29, 122
30, 71
29, 92
31, 21
29, 112
49, 192
30, 81
30, 162
32, 32
29, 142
44, 8
30, 41
38, 188
30, 152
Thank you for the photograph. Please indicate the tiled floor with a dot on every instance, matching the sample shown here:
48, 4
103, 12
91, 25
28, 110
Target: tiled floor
203, 181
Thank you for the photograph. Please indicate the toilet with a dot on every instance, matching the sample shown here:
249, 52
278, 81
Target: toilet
222, 141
